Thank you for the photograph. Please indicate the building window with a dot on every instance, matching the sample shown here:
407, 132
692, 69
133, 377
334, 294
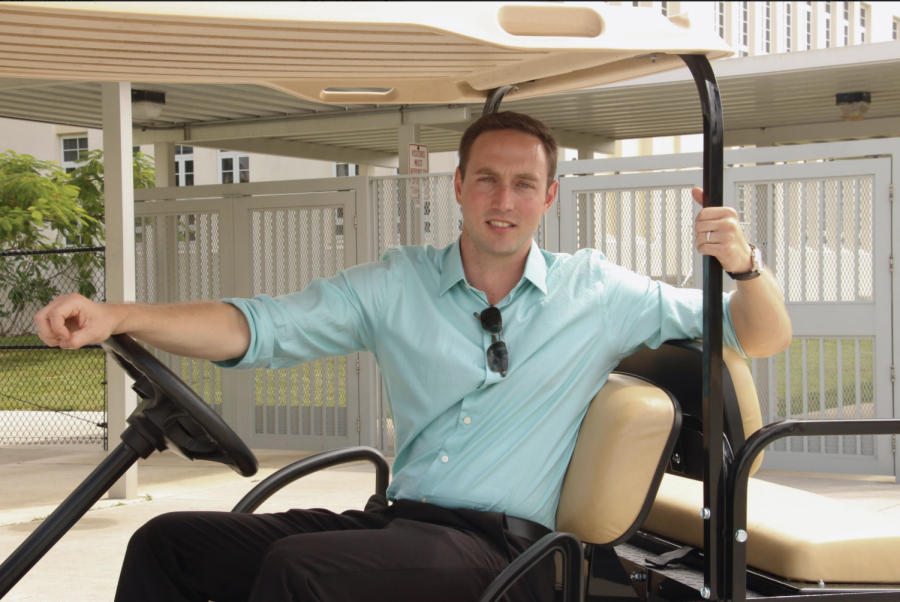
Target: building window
664, 7
135, 150
845, 24
743, 45
767, 27
720, 19
828, 25
74, 151
345, 169
787, 26
863, 18
896, 30
184, 165
234, 167
809, 25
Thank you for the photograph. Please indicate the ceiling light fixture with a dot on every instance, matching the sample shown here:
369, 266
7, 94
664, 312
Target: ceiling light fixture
146, 105
853, 105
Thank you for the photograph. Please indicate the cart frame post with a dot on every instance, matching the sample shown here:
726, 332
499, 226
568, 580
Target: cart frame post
714, 469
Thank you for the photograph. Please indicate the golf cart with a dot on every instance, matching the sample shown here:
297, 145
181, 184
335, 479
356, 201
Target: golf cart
676, 431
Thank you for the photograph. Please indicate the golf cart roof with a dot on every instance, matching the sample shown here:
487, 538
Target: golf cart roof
385, 53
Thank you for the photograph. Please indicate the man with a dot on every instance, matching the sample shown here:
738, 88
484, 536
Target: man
484, 429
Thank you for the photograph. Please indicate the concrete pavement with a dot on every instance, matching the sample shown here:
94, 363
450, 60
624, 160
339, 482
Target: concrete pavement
84, 565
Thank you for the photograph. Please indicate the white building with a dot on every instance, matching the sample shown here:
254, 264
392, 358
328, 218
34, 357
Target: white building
193, 165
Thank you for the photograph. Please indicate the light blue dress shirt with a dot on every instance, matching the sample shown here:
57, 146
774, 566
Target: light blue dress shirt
467, 437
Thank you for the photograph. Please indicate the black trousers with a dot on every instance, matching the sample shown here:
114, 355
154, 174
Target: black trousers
405, 551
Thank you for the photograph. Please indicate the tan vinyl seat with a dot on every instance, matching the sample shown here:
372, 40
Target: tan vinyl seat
619, 458
792, 534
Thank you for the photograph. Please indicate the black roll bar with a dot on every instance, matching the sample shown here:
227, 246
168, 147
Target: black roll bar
714, 559
494, 98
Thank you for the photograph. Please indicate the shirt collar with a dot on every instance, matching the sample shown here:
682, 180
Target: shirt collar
535, 268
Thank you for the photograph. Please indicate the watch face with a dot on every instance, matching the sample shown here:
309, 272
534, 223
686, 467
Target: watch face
757, 260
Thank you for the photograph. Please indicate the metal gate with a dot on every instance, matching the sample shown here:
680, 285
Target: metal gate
243, 246
281, 245
644, 222
824, 229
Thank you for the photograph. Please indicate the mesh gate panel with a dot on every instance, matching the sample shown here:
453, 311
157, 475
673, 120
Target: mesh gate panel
177, 259
816, 236
815, 379
290, 249
649, 231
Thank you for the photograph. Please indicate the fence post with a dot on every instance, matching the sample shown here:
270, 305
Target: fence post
120, 280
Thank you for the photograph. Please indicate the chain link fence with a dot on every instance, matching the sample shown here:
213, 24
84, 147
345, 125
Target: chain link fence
49, 395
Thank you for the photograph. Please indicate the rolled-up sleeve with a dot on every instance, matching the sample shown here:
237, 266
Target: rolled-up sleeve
330, 317
645, 312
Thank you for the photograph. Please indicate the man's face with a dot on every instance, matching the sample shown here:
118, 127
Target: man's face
504, 193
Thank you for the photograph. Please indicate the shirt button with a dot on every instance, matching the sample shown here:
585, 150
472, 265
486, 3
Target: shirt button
445, 459
424, 500
467, 420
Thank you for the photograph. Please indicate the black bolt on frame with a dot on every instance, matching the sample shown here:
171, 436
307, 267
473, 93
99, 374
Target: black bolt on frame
713, 412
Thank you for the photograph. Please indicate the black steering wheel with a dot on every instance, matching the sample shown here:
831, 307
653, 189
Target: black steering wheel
172, 416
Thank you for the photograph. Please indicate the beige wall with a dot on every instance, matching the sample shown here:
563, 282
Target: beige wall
267, 168
42, 140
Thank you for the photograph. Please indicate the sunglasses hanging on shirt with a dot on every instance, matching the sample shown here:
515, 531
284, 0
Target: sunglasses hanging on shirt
497, 354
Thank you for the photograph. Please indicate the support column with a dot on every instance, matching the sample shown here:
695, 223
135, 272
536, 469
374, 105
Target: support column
120, 281
407, 134
585, 153
164, 159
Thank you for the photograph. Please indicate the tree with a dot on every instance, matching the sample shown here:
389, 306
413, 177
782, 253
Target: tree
41, 208
34, 195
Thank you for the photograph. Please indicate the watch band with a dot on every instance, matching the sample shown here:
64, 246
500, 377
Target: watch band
755, 267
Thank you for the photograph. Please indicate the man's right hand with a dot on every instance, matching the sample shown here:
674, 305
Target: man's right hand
72, 321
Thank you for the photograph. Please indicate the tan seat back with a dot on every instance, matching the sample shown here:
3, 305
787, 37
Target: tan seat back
745, 391
677, 366
619, 458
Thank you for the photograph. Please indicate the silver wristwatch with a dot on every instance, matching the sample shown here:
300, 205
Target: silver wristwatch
756, 266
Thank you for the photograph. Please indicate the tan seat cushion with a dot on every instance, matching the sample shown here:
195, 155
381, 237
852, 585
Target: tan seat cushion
792, 534
619, 447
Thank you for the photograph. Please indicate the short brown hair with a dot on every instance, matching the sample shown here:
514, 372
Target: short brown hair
510, 121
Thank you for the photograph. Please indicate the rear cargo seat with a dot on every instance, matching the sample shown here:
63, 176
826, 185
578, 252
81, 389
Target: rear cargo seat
792, 534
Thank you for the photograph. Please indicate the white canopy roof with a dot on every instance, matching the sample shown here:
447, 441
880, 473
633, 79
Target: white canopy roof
403, 53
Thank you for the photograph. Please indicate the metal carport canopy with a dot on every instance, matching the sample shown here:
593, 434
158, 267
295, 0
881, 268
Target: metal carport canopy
768, 100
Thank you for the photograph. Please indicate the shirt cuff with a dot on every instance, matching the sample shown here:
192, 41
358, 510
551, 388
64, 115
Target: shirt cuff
251, 358
730, 336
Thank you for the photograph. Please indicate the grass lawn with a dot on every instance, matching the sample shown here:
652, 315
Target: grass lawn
826, 378
54, 378
309, 384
